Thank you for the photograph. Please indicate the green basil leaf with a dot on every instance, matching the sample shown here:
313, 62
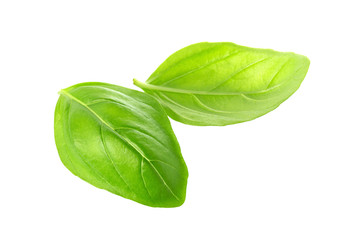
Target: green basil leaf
120, 140
224, 83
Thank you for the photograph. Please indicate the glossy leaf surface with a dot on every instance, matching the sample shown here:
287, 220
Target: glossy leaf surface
224, 83
120, 140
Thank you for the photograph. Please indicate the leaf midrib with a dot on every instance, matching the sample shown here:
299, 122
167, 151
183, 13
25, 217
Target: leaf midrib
184, 91
65, 93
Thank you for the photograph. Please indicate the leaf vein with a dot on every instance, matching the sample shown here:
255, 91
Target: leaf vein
162, 179
142, 176
110, 158
153, 78
86, 163
238, 72
142, 132
277, 73
201, 67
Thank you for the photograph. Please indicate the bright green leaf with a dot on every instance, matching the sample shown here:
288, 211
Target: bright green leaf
120, 140
224, 83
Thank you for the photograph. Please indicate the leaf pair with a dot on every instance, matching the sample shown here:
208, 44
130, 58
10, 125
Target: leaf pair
121, 140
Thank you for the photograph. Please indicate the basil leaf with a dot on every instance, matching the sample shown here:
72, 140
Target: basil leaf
120, 140
224, 83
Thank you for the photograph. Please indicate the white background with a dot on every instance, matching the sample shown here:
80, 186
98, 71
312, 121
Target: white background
291, 174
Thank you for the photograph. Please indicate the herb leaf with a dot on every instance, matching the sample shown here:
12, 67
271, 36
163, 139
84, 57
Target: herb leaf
224, 83
120, 140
